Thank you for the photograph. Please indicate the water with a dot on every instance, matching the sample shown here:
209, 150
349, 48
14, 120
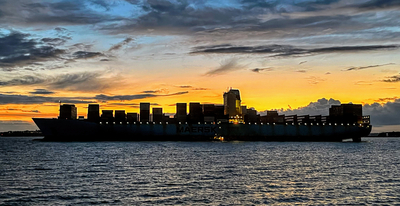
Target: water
199, 173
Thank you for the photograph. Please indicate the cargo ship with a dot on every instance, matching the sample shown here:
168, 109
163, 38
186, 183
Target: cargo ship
205, 122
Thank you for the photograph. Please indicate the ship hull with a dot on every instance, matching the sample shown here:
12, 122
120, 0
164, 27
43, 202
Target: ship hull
79, 130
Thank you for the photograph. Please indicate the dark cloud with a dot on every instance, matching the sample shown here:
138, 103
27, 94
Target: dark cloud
384, 114
151, 91
54, 41
83, 81
379, 4
86, 54
301, 71
227, 66
200, 88
392, 79
18, 49
103, 97
320, 107
367, 67
121, 44
303, 62
41, 91
257, 70
21, 110
54, 13
381, 114
185, 86
247, 17
24, 99
286, 50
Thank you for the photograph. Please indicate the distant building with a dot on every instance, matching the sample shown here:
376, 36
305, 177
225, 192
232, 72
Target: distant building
157, 115
68, 111
93, 113
181, 112
144, 111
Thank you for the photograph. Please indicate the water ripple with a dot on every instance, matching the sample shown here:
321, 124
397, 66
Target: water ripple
199, 173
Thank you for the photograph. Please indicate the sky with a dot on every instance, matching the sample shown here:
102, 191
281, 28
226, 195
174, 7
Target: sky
294, 56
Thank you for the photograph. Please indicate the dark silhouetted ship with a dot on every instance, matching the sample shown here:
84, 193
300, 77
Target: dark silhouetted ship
205, 122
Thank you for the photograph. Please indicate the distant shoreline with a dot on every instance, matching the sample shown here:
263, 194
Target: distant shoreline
27, 133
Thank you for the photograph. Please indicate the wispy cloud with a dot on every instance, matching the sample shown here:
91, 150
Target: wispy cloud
42, 91
367, 67
315, 80
86, 54
103, 97
19, 49
36, 99
82, 81
286, 50
303, 62
121, 44
301, 71
392, 79
226, 67
258, 70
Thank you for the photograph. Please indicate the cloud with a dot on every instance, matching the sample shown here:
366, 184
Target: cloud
384, 114
41, 91
52, 13
152, 91
379, 5
314, 80
102, 97
121, 44
301, 71
82, 81
54, 41
286, 50
363, 83
303, 62
86, 54
258, 70
226, 67
21, 110
381, 114
18, 49
392, 79
328, 19
200, 88
367, 67
25, 99
185, 86
320, 107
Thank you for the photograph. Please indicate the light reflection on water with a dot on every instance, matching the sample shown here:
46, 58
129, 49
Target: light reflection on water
208, 173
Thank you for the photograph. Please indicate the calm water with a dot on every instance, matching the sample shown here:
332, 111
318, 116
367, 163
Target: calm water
200, 173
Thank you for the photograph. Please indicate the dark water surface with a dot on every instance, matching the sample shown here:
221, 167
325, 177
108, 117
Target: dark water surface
199, 173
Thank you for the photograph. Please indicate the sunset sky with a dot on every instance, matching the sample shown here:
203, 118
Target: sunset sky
297, 56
